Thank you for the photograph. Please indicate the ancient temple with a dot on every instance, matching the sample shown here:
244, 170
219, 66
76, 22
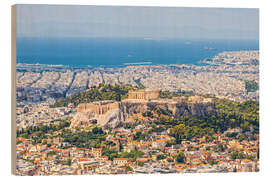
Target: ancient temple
144, 94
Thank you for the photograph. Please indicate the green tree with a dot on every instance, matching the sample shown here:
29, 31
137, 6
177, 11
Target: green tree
128, 168
180, 158
140, 163
212, 162
237, 155
69, 162
178, 132
161, 156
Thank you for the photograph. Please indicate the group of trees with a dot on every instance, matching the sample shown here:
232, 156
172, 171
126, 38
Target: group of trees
241, 155
180, 158
97, 93
111, 154
161, 156
229, 114
38, 132
148, 113
84, 139
251, 86
133, 155
139, 136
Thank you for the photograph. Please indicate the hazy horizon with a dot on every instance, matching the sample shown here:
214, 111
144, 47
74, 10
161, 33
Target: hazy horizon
50, 21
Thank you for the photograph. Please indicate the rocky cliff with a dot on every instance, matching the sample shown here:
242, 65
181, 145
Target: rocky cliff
113, 113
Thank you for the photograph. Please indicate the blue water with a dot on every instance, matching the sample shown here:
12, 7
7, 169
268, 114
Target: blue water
116, 52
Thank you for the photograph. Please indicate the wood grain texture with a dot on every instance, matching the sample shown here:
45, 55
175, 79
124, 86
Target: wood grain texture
13, 89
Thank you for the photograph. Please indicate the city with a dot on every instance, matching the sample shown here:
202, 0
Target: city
143, 119
225, 76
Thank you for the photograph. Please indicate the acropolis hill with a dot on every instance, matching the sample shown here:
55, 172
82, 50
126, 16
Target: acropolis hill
111, 113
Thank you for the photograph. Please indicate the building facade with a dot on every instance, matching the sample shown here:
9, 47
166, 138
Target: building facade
144, 94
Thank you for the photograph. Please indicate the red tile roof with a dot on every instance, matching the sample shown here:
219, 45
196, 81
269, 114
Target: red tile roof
117, 159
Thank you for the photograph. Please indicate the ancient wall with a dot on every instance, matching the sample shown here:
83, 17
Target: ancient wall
195, 99
100, 107
180, 99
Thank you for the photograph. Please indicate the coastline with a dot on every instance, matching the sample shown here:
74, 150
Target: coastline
227, 75
201, 62
99, 52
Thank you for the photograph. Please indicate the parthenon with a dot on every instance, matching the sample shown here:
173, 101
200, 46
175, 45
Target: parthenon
144, 94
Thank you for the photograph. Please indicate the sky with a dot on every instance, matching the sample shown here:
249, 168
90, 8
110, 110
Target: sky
137, 22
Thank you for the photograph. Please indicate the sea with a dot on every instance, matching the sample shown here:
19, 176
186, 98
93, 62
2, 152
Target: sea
114, 52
